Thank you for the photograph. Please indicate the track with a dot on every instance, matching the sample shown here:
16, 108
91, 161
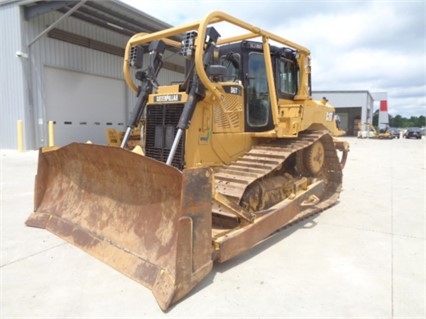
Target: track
265, 160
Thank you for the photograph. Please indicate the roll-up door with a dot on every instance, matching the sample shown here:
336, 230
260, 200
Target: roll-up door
83, 105
344, 121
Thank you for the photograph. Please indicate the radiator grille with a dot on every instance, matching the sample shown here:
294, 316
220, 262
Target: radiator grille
161, 131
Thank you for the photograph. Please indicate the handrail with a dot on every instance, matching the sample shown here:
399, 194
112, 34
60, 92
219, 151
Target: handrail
201, 27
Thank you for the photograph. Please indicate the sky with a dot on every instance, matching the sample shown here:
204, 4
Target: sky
375, 46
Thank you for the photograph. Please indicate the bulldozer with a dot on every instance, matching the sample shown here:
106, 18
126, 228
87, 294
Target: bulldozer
367, 130
230, 155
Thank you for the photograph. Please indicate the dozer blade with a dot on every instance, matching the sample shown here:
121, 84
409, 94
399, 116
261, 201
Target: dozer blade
148, 220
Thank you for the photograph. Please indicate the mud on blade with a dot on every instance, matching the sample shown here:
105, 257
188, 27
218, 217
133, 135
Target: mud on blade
146, 219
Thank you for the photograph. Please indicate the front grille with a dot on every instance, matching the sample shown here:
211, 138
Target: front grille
161, 131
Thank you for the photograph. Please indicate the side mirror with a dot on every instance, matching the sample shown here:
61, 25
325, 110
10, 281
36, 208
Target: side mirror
216, 71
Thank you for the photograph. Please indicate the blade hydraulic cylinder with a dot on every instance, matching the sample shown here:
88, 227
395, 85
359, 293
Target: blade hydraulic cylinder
137, 113
185, 118
148, 79
196, 93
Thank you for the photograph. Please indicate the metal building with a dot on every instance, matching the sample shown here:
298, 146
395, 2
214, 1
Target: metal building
61, 61
353, 107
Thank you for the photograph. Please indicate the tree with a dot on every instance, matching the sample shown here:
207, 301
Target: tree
422, 120
376, 118
396, 121
403, 122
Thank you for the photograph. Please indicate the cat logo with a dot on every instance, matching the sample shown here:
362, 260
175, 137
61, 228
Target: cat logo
168, 98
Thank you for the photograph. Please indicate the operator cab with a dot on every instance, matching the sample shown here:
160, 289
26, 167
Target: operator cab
245, 64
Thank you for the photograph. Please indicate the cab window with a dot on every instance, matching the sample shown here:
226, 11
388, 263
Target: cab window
232, 63
288, 77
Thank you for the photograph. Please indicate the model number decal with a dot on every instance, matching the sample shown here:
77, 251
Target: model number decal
232, 89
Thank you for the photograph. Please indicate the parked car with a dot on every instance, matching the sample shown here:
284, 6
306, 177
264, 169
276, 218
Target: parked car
394, 132
413, 132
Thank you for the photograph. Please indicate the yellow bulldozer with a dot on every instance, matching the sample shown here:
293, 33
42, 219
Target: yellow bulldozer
233, 153
367, 130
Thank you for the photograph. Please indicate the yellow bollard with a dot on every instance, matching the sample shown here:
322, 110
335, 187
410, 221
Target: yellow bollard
20, 131
51, 134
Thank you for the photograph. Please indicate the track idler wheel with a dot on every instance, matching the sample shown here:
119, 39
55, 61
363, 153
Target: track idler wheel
310, 161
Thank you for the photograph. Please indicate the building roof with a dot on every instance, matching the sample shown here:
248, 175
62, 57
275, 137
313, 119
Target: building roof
110, 14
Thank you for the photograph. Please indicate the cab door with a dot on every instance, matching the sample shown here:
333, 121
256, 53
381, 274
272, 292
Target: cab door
258, 106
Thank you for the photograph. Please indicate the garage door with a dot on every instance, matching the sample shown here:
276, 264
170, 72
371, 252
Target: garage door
83, 105
344, 121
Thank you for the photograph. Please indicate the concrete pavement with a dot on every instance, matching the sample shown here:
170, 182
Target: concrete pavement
363, 258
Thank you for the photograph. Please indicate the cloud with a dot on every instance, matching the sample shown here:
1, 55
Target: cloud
377, 46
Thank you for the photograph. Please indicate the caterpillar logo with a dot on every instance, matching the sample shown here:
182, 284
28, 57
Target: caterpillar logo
168, 98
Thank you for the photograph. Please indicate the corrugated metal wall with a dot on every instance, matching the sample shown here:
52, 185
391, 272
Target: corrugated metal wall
12, 102
30, 101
